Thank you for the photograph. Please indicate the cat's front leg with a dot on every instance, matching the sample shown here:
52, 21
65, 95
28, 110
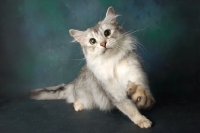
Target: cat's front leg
129, 109
140, 95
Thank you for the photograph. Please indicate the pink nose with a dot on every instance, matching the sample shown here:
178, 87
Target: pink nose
103, 44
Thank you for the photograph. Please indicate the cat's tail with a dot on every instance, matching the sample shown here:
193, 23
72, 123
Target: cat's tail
62, 91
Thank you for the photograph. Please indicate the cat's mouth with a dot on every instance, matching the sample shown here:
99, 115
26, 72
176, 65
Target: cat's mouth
106, 50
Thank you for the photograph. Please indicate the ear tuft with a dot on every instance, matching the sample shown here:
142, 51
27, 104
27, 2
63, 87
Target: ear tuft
110, 11
71, 32
111, 16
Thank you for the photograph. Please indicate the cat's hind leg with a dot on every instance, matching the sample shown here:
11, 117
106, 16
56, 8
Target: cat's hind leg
78, 106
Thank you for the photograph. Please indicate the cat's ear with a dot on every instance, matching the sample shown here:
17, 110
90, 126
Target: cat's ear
110, 11
78, 35
111, 16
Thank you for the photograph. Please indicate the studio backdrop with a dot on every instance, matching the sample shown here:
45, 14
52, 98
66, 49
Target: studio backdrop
36, 48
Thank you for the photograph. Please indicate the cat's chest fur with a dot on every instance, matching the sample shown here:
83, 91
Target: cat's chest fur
114, 74
105, 70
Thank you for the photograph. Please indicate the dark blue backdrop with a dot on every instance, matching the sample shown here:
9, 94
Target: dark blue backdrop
35, 47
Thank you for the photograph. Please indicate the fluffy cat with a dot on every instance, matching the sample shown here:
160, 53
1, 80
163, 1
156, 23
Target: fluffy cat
112, 69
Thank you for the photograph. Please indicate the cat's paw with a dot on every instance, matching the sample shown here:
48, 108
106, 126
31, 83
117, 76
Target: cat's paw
78, 106
143, 98
140, 96
144, 123
131, 89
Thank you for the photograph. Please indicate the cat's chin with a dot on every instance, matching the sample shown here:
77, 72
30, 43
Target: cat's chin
107, 50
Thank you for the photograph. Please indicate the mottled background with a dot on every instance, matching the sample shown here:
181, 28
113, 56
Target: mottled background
36, 49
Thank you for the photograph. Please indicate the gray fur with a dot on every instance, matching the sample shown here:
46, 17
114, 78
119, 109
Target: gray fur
84, 88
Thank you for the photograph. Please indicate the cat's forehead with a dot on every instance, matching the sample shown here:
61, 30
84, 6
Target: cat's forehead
100, 27
95, 29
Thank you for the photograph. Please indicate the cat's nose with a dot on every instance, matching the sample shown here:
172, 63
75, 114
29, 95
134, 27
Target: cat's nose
103, 44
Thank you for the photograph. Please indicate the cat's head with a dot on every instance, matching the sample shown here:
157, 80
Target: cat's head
106, 38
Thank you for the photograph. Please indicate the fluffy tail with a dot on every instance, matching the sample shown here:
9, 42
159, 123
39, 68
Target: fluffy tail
62, 91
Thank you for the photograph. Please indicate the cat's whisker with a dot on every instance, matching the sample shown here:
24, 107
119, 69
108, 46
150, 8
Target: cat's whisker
122, 24
138, 45
141, 46
81, 61
63, 59
117, 47
111, 42
124, 34
78, 59
137, 30
121, 48
131, 32
76, 39
140, 58
140, 29
79, 54
114, 41
127, 34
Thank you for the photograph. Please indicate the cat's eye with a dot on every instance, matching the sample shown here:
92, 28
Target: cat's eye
107, 32
92, 41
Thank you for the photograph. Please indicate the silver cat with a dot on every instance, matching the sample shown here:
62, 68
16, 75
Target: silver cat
112, 72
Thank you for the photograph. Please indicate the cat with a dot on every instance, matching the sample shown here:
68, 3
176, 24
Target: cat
112, 66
